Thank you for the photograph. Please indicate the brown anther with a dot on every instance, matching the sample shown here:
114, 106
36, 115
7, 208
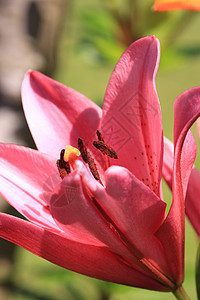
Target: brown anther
62, 152
105, 149
83, 150
67, 168
92, 166
100, 136
64, 170
61, 163
63, 166
62, 173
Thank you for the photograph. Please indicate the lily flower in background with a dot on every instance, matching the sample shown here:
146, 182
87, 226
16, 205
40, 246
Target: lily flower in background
95, 206
164, 5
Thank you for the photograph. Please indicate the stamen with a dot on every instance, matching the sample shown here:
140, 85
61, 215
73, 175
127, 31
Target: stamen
92, 166
62, 173
100, 136
105, 149
62, 152
83, 150
68, 157
63, 166
88, 159
61, 163
67, 167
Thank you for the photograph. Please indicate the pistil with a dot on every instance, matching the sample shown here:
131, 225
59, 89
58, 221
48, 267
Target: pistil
70, 155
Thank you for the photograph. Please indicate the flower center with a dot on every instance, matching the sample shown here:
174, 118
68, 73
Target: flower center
69, 155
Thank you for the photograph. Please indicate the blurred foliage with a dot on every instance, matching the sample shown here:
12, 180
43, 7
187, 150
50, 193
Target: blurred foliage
108, 29
98, 41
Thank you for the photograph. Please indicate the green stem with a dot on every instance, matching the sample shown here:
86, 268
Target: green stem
180, 294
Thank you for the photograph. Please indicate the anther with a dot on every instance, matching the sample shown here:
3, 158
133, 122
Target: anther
100, 136
63, 166
62, 152
83, 150
61, 163
92, 166
64, 171
105, 149
67, 167
88, 159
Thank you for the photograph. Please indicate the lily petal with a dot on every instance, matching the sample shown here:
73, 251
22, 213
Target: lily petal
192, 202
30, 183
168, 161
77, 216
24, 175
57, 115
163, 5
93, 261
171, 233
124, 192
131, 120
192, 207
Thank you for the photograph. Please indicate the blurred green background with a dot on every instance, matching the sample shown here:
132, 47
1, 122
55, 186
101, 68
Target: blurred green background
92, 42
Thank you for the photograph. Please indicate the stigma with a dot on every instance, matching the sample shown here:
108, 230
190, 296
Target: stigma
71, 154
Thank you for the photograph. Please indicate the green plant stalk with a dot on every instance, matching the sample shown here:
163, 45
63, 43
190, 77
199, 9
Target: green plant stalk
181, 294
198, 272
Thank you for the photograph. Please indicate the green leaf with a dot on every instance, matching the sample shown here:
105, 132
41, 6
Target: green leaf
198, 272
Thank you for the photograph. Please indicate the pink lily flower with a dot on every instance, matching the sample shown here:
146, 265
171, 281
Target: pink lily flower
105, 217
192, 201
164, 5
